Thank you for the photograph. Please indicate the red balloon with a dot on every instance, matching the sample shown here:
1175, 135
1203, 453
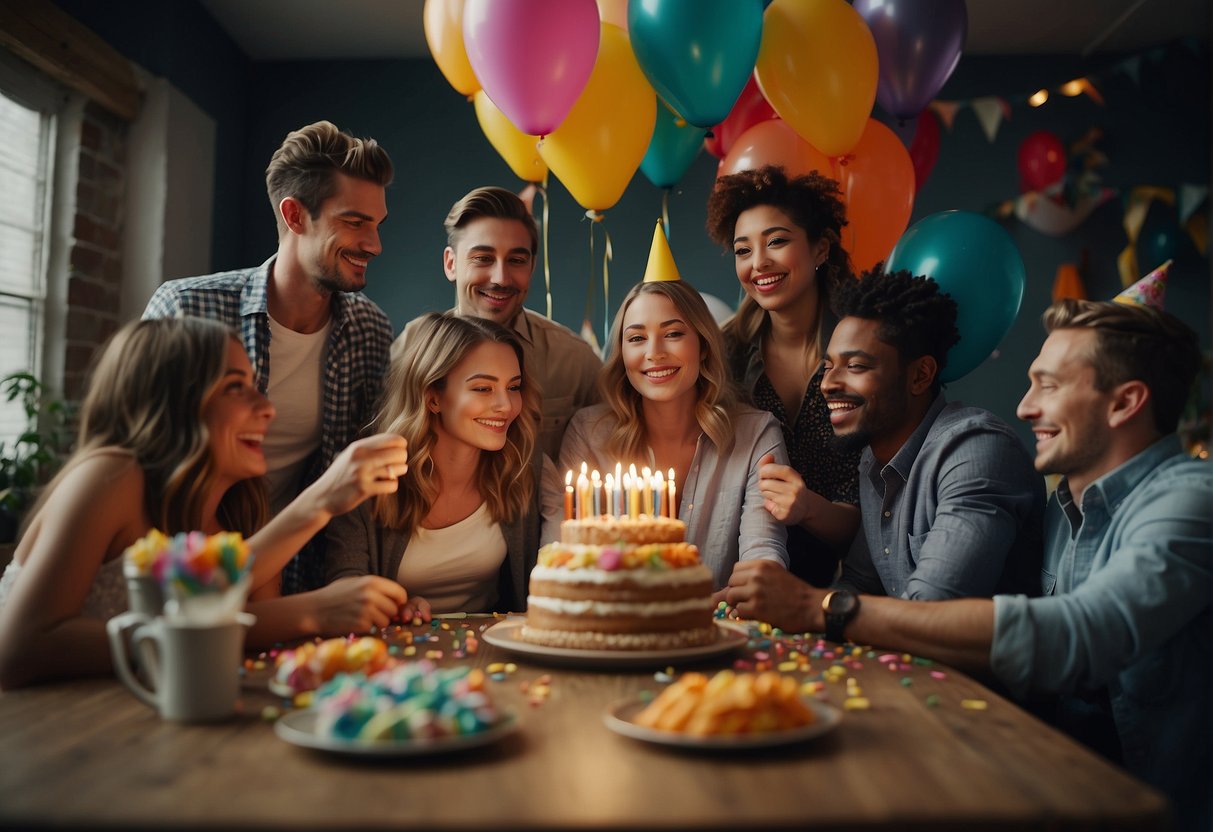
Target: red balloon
924, 149
773, 142
750, 109
1042, 161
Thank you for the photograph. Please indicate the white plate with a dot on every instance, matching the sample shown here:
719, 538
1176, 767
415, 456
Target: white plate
621, 719
506, 635
299, 728
281, 689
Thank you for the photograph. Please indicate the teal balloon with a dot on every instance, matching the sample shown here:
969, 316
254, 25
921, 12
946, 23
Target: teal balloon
697, 54
671, 150
974, 260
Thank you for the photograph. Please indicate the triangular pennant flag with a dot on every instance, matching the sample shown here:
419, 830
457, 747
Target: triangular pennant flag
946, 110
1068, 283
1190, 198
661, 260
989, 113
1151, 290
1126, 265
1132, 68
1197, 227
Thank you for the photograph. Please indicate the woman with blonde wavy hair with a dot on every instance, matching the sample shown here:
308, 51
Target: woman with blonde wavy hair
170, 438
462, 532
668, 404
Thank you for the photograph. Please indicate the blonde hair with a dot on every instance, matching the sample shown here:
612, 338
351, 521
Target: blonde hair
146, 396
716, 401
505, 478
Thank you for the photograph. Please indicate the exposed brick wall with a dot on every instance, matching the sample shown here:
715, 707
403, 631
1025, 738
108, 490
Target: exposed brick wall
94, 280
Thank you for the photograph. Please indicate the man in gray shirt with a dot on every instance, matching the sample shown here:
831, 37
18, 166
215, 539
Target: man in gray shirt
950, 503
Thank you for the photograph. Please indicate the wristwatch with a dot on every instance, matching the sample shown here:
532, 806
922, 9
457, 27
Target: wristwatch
839, 606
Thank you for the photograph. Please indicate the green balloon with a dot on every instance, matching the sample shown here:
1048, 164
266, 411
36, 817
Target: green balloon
974, 260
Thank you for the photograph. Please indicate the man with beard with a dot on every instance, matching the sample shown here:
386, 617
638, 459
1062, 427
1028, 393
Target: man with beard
950, 505
490, 256
1122, 633
319, 347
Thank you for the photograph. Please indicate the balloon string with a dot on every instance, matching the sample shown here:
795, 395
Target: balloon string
665, 211
589, 287
541, 190
607, 256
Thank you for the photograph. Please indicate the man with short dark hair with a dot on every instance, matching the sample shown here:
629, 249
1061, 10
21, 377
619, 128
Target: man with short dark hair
950, 506
490, 256
1123, 632
318, 346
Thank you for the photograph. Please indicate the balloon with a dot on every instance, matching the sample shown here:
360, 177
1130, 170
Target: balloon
974, 260
773, 142
599, 146
674, 145
1047, 213
877, 182
918, 43
1042, 161
614, 12
1159, 238
443, 24
924, 149
533, 57
697, 55
817, 67
750, 109
517, 148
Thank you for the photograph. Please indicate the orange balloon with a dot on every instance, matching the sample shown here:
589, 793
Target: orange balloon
877, 181
443, 24
773, 142
817, 67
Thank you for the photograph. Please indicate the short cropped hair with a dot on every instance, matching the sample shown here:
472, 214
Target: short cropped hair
303, 166
497, 203
915, 317
1136, 343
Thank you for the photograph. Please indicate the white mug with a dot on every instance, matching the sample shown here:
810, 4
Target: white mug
194, 670
144, 594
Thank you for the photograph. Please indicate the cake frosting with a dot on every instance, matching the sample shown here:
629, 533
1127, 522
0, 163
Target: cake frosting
619, 584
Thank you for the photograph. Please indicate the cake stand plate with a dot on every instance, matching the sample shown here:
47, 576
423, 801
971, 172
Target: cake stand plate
507, 635
299, 728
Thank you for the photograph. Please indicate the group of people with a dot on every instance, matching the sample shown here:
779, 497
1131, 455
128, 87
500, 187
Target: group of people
828, 482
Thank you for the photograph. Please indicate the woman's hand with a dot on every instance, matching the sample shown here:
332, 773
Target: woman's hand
355, 605
417, 607
364, 469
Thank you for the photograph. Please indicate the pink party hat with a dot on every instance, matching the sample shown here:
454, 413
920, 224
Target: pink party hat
1151, 290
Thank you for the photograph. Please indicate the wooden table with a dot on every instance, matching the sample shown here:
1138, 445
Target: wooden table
88, 754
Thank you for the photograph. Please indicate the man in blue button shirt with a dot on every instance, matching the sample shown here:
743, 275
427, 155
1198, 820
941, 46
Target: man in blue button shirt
950, 504
1123, 629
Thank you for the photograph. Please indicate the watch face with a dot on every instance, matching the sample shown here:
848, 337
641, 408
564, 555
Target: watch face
842, 602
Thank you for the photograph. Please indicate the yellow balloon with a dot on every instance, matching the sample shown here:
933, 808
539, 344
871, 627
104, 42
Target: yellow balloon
598, 147
443, 24
517, 148
817, 67
614, 11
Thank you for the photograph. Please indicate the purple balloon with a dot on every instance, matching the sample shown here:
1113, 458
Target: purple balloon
918, 43
532, 57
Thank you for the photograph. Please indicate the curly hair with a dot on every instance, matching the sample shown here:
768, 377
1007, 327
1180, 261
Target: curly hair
1135, 342
716, 401
146, 396
812, 201
505, 478
915, 317
304, 165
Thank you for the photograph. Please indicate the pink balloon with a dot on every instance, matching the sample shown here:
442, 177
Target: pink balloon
532, 57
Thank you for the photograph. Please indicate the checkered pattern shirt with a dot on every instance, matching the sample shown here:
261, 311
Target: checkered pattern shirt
355, 361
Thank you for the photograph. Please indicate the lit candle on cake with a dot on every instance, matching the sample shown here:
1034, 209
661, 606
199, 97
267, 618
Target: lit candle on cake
568, 496
596, 484
646, 497
661, 497
633, 493
583, 496
609, 496
673, 496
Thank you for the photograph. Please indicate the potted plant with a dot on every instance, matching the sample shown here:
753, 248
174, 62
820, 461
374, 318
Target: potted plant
29, 461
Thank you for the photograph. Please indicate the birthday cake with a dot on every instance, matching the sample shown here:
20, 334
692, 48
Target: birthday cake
614, 583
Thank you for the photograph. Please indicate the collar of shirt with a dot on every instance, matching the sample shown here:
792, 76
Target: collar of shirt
1113, 487
903, 460
254, 299
522, 327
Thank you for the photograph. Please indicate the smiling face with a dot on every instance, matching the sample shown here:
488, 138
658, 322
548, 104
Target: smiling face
775, 260
660, 349
481, 399
237, 417
338, 244
491, 265
1067, 413
866, 389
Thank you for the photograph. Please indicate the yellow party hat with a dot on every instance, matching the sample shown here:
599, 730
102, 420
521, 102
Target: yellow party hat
1151, 290
661, 260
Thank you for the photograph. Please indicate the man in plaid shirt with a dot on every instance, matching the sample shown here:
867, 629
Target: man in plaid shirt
302, 312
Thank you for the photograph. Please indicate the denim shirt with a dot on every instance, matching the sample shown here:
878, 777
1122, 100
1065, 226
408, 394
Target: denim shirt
957, 512
1126, 611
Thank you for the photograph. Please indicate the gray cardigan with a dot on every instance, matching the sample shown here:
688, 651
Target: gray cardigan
357, 545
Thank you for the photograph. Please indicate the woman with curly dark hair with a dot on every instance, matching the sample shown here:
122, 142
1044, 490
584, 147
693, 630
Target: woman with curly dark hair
785, 234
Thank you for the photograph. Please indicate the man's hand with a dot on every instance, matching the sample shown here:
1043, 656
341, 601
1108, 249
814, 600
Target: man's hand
765, 591
784, 493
